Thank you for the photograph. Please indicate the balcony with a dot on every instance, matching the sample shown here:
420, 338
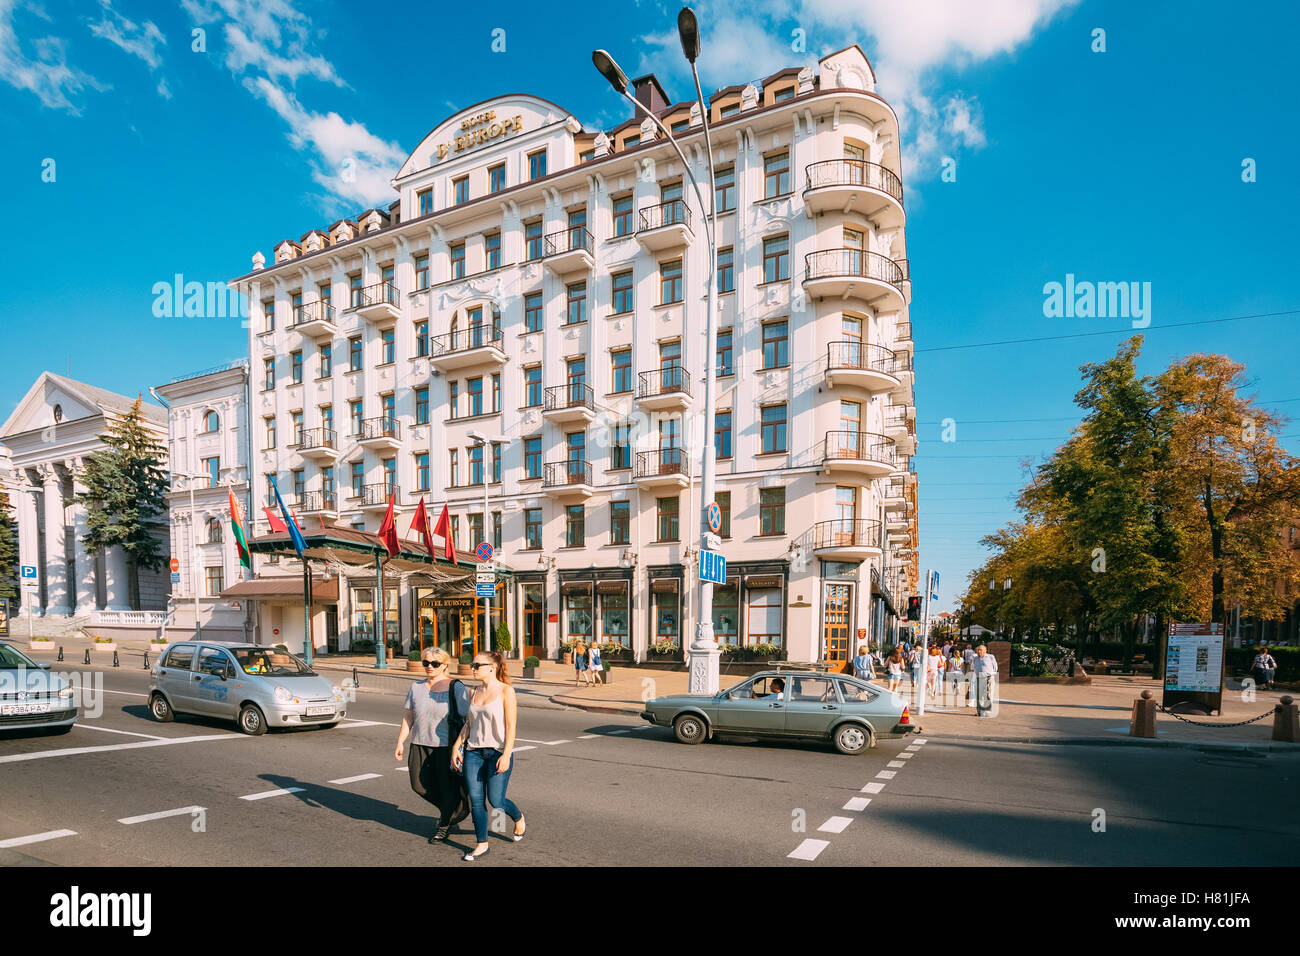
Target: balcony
665, 468
477, 345
903, 337
569, 251
377, 304
859, 453
871, 367
381, 434
855, 186
897, 418
664, 389
318, 503
318, 444
569, 479
844, 539
315, 320
572, 403
666, 226
375, 497
849, 273
895, 496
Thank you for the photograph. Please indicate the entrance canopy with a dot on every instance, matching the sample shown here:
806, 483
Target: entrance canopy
358, 549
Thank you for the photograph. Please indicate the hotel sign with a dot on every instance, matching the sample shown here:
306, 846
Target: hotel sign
479, 129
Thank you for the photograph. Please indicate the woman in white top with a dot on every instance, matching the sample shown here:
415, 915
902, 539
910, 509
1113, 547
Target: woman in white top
484, 745
954, 677
895, 668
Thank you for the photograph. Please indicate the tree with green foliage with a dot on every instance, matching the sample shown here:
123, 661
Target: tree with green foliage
124, 498
8, 552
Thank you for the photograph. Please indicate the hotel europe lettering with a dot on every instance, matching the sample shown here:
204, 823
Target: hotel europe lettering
527, 314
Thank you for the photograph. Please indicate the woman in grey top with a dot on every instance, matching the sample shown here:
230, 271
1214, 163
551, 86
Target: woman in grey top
427, 721
489, 732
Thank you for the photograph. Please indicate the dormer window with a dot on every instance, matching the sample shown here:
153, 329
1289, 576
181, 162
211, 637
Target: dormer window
731, 109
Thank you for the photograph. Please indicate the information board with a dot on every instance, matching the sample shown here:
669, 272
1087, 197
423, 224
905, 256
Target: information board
1194, 666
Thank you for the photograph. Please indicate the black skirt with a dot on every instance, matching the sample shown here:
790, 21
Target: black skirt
434, 780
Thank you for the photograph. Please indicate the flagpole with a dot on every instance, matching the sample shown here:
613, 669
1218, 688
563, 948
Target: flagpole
306, 613
380, 630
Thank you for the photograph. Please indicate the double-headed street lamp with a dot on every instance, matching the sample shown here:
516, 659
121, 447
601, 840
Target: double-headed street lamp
485, 441
702, 657
194, 547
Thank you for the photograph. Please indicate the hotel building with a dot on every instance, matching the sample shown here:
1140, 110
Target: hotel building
529, 313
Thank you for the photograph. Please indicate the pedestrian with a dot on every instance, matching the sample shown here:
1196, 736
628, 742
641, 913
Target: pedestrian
968, 668
862, 664
953, 676
484, 748
1264, 667
895, 668
595, 669
986, 674
914, 665
434, 711
580, 660
947, 649
933, 671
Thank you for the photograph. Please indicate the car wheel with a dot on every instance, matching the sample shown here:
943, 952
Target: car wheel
852, 739
690, 729
251, 720
161, 710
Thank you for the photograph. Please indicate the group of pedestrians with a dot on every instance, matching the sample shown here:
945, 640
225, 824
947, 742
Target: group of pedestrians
587, 665
949, 673
461, 744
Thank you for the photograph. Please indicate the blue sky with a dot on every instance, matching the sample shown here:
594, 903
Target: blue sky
1123, 165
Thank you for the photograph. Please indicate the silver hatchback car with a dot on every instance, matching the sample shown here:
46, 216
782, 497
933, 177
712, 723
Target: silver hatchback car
258, 687
32, 698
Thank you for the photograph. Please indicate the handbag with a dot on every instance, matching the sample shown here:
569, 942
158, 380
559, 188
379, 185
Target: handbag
455, 719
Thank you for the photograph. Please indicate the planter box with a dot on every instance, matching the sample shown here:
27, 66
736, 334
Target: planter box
112, 646
567, 658
415, 665
40, 645
530, 673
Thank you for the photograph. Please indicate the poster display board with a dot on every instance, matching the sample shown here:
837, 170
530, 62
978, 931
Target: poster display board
1194, 665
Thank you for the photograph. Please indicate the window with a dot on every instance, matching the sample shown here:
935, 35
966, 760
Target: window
576, 309
422, 471
496, 464
496, 178
577, 612
453, 399
474, 525
299, 484
421, 338
783, 94
268, 373
773, 432
776, 258
212, 468
763, 623
460, 190
613, 612
422, 271
633, 140
670, 281
533, 239
453, 467
327, 484
724, 192
724, 352
326, 416
533, 457
723, 498
575, 533
326, 352
422, 406
533, 386
680, 126
726, 270
667, 512
623, 293
211, 422
586, 156
533, 312
731, 109
771, 511
726, 617
354, 290
492, 250
496, 530
424, 201
390, 412
268, 315
620, 522
622, 371
666, 610
475, 456
455, 531
776, 174
355, 416
354, 354
537, 164
214, 531
458, 260
722, 434
295, 366
298, 426
532, 529
776, 345
324, 292
474, 392
269, 422
215, 580
623, 215
388, 348
496, 391
620, 451
358, 476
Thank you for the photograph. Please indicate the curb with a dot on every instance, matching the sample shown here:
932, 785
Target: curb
1265, 747
596, 708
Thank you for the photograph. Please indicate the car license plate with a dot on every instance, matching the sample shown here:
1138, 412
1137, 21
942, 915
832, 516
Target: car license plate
14, 710
318, 711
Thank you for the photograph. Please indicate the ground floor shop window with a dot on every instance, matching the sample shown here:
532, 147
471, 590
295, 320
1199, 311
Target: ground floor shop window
363, 616
614, 619
534, 618
763, 616
577, 612
726, 617
667, 612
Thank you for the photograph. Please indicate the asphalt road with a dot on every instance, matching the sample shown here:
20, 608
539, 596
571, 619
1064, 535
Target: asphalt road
602, 790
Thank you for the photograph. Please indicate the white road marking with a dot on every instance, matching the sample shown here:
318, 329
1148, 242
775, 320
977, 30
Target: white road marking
588, 736
161, 742
549, 743
903, 756
835, 825
919, 741
857, 804
125, 693
366, 723
271, 793
886, 775
146, 817
913, 749
110, 730
872, 788
808, 849
895, 763
36, 838
358, 777
517, 749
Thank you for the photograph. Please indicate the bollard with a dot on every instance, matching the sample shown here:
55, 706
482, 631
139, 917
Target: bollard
60, 657
355, 682
1286, 720
87, 660
115, 663
146, 660
1143, 722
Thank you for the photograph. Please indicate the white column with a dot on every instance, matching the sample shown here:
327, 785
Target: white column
84, 560
58, 602
28, 544
117, 589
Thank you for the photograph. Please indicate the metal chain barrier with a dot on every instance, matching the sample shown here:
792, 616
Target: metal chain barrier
1200, 723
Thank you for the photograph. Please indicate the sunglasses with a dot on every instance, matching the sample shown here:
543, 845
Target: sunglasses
477, 664
434, 664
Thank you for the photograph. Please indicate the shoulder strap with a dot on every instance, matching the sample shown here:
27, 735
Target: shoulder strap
452, 704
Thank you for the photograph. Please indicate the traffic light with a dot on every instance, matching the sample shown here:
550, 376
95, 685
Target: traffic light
914, 608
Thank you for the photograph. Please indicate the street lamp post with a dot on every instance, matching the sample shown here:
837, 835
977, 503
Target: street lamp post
485, 442
702, 660
194, 551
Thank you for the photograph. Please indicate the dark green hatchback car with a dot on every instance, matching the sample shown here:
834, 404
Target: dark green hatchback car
801, 705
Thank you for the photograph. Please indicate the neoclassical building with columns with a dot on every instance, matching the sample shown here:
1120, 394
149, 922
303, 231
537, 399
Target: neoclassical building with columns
55, 427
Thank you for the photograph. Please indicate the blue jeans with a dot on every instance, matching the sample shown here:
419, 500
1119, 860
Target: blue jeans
483, 781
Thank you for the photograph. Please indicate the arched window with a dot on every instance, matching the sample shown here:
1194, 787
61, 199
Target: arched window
211, 421
214, 531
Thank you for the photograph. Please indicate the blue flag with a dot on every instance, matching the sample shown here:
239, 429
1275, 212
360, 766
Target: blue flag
295, 535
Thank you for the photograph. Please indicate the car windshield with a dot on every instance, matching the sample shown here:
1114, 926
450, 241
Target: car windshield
263, 662
13, 659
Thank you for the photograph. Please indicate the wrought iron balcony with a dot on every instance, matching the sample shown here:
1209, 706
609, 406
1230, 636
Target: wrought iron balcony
666, 462
852, 263
577, 395
376, 495
383, 431
315, 318
675, 212
854, 172
573, 239
562, 474
853, 536
318, 501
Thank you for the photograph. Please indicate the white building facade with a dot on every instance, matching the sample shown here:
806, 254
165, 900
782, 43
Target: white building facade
527, 318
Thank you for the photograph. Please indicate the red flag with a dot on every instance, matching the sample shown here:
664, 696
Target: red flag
276, 523
420, 523
388, 530
443, 527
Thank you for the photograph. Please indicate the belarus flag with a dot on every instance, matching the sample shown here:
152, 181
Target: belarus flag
237, 528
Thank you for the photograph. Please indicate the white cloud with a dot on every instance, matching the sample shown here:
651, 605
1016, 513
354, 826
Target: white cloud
42, 68
141, 40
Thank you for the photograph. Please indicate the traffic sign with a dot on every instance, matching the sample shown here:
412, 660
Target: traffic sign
715, 517
712, 542
713, 567
28, 571
485, 577
176, 578
175, 564
484, 551
485, 590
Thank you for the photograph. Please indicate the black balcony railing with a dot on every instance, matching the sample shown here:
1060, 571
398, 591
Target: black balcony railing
867, 358
663, 381
896, 488
381, 428
843, 533
573, 239
319, 501
854, 172
377, 294
855, 263
378, 493
665, 461
462, 340
859, 446
896, 416
903, 332
312, 312
671, 213
573, 471
317, 438
573, 395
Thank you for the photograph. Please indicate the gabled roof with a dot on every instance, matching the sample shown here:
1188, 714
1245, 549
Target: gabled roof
93, 399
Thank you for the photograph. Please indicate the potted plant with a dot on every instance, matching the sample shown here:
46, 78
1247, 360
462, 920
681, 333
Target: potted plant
611, 651
664, 647
530, 667
464, 663
566, 649
105, 644
504, 643
413, 662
